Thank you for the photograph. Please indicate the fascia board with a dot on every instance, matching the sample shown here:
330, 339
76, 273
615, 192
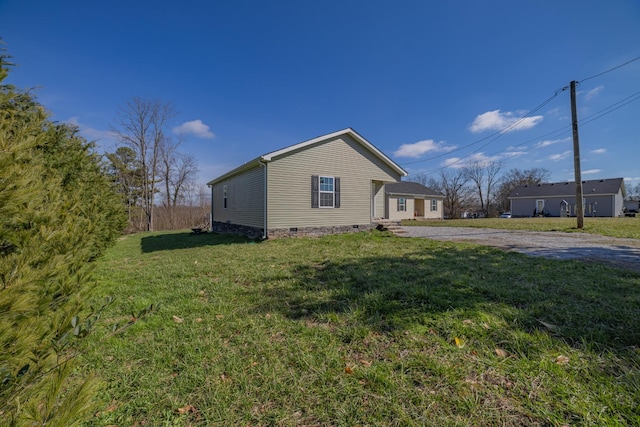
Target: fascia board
269, 156
244, 167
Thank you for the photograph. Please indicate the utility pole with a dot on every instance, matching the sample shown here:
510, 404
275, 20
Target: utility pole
576, 157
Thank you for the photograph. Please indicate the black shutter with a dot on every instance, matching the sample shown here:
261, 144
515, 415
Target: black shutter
336, 192
315, 191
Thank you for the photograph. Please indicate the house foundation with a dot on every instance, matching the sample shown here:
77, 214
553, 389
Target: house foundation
276, 233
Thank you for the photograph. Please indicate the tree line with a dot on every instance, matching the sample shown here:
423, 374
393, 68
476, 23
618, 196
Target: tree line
633, 192
157, 181
479, 188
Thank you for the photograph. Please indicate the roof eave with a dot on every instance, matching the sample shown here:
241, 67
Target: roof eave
350, 131
559, 195
244, 167
393, 193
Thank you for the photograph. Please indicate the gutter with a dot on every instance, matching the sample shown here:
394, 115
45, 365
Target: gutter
211, 212
264, 228
417, 196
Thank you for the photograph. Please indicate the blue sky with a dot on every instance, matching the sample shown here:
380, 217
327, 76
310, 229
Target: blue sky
427, 82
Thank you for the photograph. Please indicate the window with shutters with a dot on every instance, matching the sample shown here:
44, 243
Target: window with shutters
325, 191
434, 205
402, 204
224, 196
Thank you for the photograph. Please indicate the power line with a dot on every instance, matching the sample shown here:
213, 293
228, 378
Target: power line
609, 70
629, 99
588, 119
492, 137
557, 132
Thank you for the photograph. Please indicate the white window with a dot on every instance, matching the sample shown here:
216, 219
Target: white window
402, 204
224, 197
434, 206
325, 191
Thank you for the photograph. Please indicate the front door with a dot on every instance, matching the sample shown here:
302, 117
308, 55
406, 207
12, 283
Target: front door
419, 208
377, 199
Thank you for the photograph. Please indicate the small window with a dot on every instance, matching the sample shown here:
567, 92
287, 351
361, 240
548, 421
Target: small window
325, 191
434, 206
224, 197
402, 204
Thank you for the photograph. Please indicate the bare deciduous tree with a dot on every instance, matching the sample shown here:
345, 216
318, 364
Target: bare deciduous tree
484, 176
453, 185
178, 173
516, 177
142, 127
633, 192
420, 178
123, 169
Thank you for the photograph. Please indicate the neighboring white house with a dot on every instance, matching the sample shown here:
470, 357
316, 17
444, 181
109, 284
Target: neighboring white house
334, 183
602, 198
411, 200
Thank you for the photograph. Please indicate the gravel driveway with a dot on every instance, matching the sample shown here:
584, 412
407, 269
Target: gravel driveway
624, 253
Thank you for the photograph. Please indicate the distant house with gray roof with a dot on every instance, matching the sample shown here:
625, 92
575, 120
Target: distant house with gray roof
602, 198
411, 200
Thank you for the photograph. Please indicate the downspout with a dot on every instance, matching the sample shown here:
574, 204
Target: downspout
211, 213
264, 228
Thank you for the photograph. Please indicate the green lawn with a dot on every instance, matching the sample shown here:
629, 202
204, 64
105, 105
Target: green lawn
364, 329
613, 227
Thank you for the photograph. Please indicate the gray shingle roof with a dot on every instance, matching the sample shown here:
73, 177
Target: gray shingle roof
411, 189
568, 188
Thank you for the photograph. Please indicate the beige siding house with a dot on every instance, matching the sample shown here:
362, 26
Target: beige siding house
331, 184
410, 200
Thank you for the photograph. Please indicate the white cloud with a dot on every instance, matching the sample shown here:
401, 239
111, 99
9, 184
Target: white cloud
90, 133
549, 142
421, 147
546, 143
593, 92
591, 171
558, 157
461, 162
599, 151
503, 122
194, 127
513, 154
632, 179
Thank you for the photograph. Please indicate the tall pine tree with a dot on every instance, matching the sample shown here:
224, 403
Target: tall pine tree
58, 211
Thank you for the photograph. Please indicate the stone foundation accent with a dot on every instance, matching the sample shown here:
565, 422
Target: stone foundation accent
276, 233
245, 230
